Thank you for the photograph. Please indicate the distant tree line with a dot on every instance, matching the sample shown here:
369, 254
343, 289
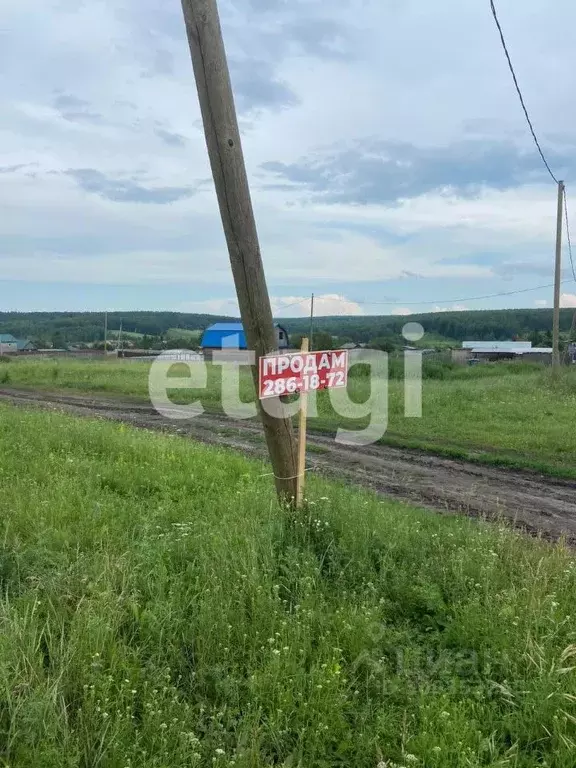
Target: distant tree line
479, 325
60, 329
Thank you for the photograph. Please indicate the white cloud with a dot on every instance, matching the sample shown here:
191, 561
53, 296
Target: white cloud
522, 213
226, 307
453, 308
568, 300
282, 306
541, 303
324, 304
83, 237
402, 311
136, 118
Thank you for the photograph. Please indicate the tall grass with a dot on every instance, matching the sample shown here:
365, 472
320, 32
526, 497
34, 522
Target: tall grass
446, 369
511, 414
159, 609
110, 377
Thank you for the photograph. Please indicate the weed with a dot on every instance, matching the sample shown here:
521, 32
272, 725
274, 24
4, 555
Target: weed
160, 609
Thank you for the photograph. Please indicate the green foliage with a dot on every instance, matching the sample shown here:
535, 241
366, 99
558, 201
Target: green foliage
486, 325
58, 340
149, 342
190, 340
440, 327
159, 609
385, 343
68, 327
191, 336
320, 340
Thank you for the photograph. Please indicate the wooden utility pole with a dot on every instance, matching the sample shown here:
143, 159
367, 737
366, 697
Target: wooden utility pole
302, 417
105, 332
557, 279
311, 334
229, 172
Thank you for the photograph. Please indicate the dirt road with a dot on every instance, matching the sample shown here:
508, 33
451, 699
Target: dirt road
537, 503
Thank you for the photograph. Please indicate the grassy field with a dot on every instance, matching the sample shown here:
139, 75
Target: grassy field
133, 335
184, 333
171, 333
498, 414
160, 610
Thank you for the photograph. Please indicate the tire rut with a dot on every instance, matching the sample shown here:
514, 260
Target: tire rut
537, 503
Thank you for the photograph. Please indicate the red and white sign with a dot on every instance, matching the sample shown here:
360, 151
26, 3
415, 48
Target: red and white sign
302, 372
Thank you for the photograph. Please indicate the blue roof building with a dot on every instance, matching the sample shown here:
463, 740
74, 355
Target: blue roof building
232, 336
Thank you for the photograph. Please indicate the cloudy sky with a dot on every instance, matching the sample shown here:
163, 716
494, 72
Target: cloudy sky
390, 165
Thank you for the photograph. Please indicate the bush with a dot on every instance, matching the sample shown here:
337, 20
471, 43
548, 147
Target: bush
431, 369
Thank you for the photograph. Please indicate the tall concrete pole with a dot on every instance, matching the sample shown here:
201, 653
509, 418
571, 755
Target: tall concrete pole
557, 280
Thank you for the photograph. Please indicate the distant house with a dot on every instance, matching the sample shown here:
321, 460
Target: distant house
23, 345
10, 344
232, 336
492, 351
505, 347
353, 345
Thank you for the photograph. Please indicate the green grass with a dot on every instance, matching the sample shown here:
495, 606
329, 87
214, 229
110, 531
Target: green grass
184, 333
515, 420
160, 610
134, 335
105, 376
508, 415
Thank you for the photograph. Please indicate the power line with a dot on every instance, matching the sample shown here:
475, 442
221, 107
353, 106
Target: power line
573, 326
285, 306
568, 235
436, 301
519, 92
293, 304
552, 176
561, 190
466, 298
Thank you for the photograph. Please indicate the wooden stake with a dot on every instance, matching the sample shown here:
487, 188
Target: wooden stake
229, 173
302, 417
557, 278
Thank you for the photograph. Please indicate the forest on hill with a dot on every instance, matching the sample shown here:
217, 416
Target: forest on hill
478, 325
64, 328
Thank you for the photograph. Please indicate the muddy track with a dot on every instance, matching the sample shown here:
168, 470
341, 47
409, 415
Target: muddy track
534, 502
